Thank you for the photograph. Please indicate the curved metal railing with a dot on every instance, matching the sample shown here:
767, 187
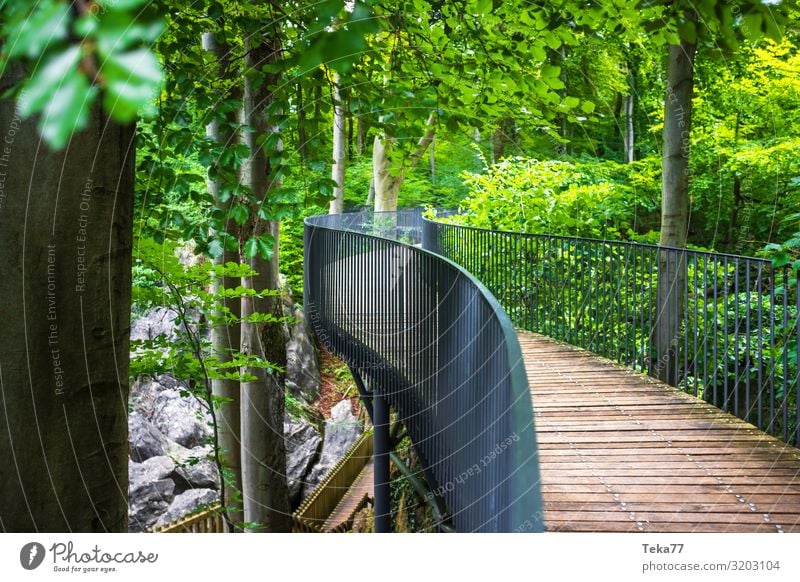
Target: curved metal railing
431, 340
722, 327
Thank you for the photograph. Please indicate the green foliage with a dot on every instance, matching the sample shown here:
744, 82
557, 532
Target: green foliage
160, 279
75, 54
578, 198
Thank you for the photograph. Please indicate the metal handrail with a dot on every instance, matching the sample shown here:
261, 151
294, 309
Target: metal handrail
720, 326
429, 338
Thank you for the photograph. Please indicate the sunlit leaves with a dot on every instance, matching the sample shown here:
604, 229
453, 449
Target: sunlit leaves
73, 58
29, 32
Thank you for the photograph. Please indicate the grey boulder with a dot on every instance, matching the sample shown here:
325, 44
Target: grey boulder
186, 503
302, 445
148, 502
181, 418
303, 377
195, 468
144, 439
341, 432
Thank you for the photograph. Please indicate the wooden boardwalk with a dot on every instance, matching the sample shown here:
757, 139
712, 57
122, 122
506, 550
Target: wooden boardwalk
623, 452
356, 497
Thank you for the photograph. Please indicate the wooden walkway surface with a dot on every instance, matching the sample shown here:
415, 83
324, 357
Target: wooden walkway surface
620, 451
355, 498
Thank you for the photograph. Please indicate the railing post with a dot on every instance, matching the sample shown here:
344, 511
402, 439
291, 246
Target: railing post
382, 448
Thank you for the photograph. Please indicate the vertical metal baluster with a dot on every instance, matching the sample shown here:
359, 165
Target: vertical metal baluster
747, 313
677, 331
736, 338
634, 316
797, 361
696, 326
705, 327
654, 275
725, 349
773, 309
786, 334
760, 298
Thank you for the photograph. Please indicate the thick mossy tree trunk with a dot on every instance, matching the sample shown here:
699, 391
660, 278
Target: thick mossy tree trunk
674, 209
266, 495
225, 338
65, 250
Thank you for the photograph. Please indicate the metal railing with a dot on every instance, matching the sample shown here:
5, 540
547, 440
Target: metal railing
719, 326
428, 338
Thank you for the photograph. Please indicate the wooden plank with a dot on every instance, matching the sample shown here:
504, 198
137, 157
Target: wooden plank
620, 451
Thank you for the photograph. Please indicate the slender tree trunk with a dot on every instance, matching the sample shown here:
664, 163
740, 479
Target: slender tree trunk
628, 104
433, 160
339, 150
266, 497
225, 339
562, 149
498, 144
730, 235
361, 135
350, 136
674, 207
387, 185
301, 124
66, 223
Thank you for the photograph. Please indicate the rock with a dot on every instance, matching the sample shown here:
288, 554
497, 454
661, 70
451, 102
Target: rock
153, 469
181, 418
195, 469
302, 445
341, 431
161, 322
302, 360
145, 440
148, 502
155, 322
144, 392
186, 503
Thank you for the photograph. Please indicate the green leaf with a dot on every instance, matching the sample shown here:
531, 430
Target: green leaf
483, 6
239, 213
751, 25
67, 111
132, 82
120, 5
688, 31
61, 94
781, 259
587, 107
46, 25
45, 80
261, 246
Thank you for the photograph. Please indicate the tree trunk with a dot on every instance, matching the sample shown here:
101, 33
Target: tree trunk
674, 208
627, 119
266, 497
339, 150
65, 247
433, 160
301, 125
387, 185
498, 144
350, 136
225, 339
361, 135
